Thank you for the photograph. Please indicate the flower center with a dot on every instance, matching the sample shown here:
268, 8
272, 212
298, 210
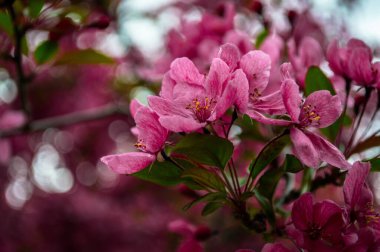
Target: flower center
255, 95
314, 232
371, 215
140, 145
202, 108
309, 116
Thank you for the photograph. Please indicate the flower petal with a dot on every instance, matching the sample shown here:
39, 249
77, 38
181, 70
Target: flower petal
236, 92
304, 148
324, 211
302, 212
256, 65
180, 124
183, 70
354, 183
360, 67
152, 134
292, 99
134, 106
328, 152
128, 163
165, 107
167, 86
216, 78
230, 54
327, 107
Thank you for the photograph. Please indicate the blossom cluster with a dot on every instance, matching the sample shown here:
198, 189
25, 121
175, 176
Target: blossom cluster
237, 83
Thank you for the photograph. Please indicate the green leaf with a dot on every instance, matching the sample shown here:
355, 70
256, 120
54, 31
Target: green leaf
24, 45
261, 38
35, 7
45, 51
6, 23
210, 197
267, 207
161, 173
87, 56
205, 149
205, 178
211, 207
316, 80
268, 155
268, 182
375, 164
292, 164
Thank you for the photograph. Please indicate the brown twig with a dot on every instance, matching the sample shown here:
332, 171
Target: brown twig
66, 120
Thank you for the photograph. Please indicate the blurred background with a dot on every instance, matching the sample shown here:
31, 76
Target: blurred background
82, 62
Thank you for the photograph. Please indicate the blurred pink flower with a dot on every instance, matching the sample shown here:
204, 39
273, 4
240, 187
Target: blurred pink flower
192, 235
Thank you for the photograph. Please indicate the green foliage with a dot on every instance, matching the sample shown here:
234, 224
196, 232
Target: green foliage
35, 7
210, 197
268, 182
204, 177
316, 80
205, 149
6, 23
161, 173
261, 38
375, 164
87, 56
211, 207
268, 155
45, 51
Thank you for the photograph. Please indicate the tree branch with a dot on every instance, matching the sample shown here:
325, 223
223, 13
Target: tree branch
66, 120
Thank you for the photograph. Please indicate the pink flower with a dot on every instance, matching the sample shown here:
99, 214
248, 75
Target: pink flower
256, 66
189, 100
151, 139
358, 197
353, 61
320, 109
368, 241
309, 53
317, 226
192, 235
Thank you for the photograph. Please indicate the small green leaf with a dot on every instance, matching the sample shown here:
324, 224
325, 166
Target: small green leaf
211, 207
205, 149
261, 38
35, 7
316, 80
268, 182
210, 197
45, 51
6, 23
292, 164
268, 155
87, 56
204, 177
375, 164
24, 45
161, 173
267, 207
